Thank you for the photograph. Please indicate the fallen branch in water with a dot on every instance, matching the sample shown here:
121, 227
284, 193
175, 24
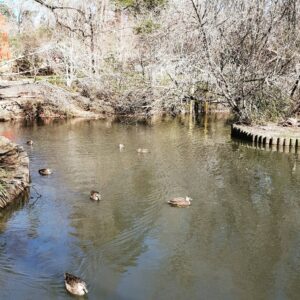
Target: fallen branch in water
38, 196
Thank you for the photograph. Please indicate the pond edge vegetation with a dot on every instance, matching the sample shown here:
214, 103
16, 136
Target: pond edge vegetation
132, 57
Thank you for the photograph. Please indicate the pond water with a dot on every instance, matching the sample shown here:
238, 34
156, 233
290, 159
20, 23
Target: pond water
240, 239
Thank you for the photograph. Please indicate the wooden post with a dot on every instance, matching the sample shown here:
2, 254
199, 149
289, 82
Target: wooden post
275, 141
192, 107
281, 141
196, 109
293, 142
205, 107
205, 125
286, 142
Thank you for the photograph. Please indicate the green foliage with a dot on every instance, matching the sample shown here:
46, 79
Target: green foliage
146, 27
138, 5
3, 174
5, 10
53, 79
2, 187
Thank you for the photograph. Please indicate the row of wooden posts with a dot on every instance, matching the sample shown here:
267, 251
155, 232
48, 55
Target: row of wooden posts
264, 139
249, 134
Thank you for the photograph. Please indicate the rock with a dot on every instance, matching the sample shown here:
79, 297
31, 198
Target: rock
14, 172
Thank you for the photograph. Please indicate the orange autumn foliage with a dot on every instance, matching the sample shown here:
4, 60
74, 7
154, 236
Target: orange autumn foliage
4, 44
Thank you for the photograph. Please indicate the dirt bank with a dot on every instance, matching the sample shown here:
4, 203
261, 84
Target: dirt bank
28, 100
14, 172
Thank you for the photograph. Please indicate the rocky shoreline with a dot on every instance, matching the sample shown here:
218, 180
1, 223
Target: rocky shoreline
14, 172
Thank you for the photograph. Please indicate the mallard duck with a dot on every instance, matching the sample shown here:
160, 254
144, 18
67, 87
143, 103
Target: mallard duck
30, 142
45, 172
121, 146
142, 150
75, 285
180, 202
95, 196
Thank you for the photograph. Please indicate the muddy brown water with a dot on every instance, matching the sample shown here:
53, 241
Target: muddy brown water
240, 239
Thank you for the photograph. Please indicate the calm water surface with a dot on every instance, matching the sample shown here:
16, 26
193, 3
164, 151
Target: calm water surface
239, 240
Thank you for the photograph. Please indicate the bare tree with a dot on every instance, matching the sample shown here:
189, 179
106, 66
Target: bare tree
256, 56
156, 54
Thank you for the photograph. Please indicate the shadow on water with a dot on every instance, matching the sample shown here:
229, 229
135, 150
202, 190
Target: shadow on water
18, 204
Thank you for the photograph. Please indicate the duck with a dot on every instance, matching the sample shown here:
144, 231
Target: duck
75, 285
95, 196
121, 146
180, 201
45, 172
30, 142
142, 150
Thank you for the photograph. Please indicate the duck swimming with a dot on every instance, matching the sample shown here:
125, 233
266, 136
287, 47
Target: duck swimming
45, 172
30, 142
95, 196
75, 285
180, 202
142, 150
121, 146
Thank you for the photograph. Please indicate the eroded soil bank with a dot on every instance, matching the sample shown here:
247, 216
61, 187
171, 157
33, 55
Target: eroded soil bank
14, 172
28, 100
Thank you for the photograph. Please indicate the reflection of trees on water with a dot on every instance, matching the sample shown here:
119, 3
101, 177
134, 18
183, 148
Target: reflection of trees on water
240, 237
124, 219
240, 220
252, 223
5, 214
11, 242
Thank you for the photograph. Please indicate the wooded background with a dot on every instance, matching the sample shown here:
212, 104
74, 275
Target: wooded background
155, 55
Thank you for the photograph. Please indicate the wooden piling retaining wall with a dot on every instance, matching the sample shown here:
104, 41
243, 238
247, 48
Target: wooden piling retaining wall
267, 138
